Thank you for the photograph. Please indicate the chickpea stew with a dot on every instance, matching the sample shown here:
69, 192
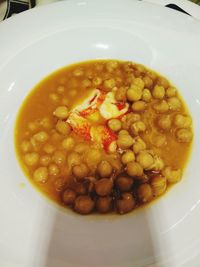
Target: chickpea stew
103, 136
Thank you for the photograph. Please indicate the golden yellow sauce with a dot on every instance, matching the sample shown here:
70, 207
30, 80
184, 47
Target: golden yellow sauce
69, 87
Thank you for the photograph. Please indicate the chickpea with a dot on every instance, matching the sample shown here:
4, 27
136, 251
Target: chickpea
126, 203
158, 92
158, 185
81, 148
145, 193
158, 164
65, 101
115, 125
134, 93
145, 159
172, 175
72, 93
111, 65
53, 170
46, 123
120, 94
31, 159
97, 81
171, 91
138, 127
40, 175
146, 95
165, 122
78, 72
138, 106
134, 169
128, 119
93, 157
26, 146
45, 160
104, 204
124, 183
86, 83
59, 157
103, 187
139, 82
161, 107
54, 97
80, 171
124, 141
174, 103
56, 137
184, 135
74, 159
109, 84
84, 204
147, 81
182, 121
49, 149
104, 169
33, 126
61, 112
60, 89
63, 127
41, 137
122, 132
138, 145
158, 140
81, 188
163, 82
127, 157
68, 143
69, 197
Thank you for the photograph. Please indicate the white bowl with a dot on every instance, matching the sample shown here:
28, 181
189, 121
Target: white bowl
33, 230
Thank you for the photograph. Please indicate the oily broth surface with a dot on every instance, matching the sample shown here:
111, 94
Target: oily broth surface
46, 97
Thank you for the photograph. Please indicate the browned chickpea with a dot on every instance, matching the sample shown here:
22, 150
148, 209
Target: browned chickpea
126, 204
138, 145
84, 204
104, 168
134, 169
69, 196
103, 187
104, 204
80, 171
124, 183
81, 188
145, 193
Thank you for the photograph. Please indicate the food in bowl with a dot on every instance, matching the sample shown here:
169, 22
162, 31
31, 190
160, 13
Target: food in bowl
103, 136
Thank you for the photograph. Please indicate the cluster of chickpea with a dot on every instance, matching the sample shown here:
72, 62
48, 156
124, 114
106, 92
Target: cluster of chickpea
132, 175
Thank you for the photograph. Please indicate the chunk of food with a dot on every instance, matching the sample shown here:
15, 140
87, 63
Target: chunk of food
126, 203
84, 204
